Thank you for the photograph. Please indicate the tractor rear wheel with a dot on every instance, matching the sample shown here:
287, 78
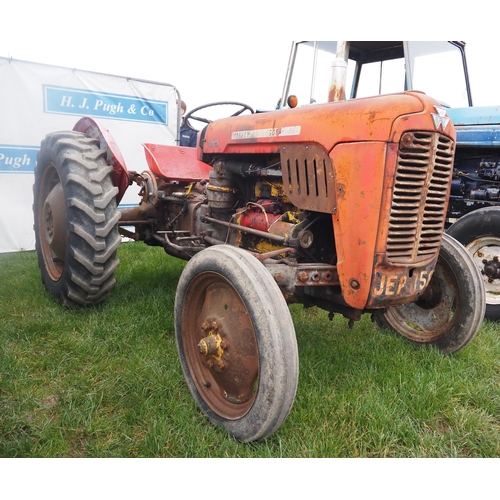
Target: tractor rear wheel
479, 232
76, 219
451, 310
236, 342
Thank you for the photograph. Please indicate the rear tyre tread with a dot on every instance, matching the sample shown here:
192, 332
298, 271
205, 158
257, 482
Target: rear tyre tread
91, 257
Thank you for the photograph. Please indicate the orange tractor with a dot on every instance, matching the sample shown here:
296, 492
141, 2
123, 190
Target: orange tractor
340, 205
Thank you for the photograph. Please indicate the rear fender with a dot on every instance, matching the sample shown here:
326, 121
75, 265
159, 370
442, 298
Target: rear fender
114, 157
176, 163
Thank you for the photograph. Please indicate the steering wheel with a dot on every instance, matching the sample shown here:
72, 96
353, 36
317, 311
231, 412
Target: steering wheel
190, 115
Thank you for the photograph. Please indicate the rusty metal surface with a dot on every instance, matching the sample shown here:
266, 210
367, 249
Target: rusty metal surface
52, 222
308, 177
220, 346
362, 172
137, 214
56, 221
273, 237
339, 73
398, 284
323, 124
114, 156
303, 275
176, 163
420, 196
221, 190
316, 275
275, 253
429, 318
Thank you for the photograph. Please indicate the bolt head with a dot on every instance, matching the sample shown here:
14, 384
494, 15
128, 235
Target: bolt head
303, 276
203, 347
355, 284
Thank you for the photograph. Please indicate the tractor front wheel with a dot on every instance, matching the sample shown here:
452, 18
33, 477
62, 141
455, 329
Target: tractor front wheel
451, 310
75, 219
236, 342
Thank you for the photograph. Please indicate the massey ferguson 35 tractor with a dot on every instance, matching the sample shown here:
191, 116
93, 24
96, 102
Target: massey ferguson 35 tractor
340, 205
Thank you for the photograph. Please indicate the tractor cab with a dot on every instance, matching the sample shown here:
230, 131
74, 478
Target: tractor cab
326, 71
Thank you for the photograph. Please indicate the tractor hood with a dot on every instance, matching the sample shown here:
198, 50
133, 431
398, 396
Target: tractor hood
359, 120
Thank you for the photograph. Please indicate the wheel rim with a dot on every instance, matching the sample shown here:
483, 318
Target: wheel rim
433, 315
52, 222
220, 346
486, 254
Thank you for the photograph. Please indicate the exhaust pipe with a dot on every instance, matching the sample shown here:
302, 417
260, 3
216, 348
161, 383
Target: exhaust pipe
339, 73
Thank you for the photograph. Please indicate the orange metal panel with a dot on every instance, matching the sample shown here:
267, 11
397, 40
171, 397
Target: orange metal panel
324, 124
359, 187
176, 163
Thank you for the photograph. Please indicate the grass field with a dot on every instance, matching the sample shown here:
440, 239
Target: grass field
106, 381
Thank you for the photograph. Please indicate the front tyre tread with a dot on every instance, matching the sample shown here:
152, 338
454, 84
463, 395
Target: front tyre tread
457, 320
272, 328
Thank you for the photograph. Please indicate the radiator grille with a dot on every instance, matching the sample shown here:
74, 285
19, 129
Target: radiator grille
418, 211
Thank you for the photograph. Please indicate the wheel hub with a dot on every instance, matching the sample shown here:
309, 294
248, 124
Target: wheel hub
486, 254
212, 346
221, 347
491, 269
431, 297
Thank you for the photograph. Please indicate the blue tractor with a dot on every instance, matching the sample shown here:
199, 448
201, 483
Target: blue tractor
474, 206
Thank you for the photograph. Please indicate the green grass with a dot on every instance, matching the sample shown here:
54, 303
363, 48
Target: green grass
106, 381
